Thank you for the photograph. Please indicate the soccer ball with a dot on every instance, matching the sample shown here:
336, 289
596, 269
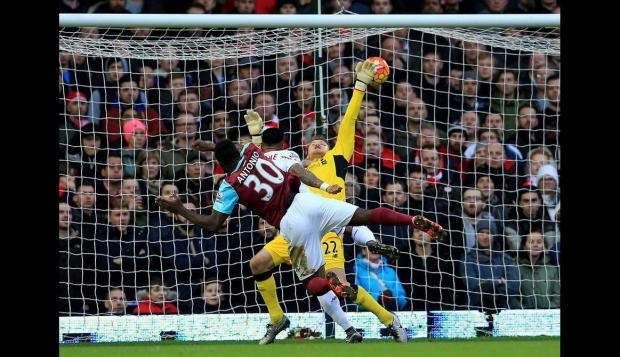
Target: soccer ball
383, 71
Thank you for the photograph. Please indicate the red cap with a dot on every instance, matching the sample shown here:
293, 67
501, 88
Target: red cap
76, 95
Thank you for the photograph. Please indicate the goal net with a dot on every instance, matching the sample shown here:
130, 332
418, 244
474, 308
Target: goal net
465, 131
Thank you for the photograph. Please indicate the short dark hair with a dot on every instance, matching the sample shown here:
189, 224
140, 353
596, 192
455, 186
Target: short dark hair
384, 185
553, 77
164, 183
84, 182
127, 78
415, 168
527, 105
226, 152
273, 136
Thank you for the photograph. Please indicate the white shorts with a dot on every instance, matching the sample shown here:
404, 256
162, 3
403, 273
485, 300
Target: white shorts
306, 221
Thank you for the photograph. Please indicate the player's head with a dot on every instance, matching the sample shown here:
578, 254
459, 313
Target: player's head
318, 147
227, 155
273, 138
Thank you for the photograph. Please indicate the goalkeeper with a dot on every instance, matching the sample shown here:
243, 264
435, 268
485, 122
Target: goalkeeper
329, 166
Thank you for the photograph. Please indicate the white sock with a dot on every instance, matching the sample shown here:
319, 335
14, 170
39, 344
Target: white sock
331, 305
362, 235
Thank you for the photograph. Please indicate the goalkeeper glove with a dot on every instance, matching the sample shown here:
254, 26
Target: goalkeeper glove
364, 72
255, 126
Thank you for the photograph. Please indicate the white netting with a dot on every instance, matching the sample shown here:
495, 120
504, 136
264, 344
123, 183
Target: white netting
148, 43
175, 86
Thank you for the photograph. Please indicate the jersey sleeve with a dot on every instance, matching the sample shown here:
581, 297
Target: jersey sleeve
292, 159
243, 149
345, 141
226, 199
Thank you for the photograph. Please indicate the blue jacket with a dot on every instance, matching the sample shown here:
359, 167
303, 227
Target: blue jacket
386, 274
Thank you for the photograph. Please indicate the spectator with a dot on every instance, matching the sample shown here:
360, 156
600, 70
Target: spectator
122, 252
210, 6
473, 211
381, 6
76, 268
219, 126
189, 103
197, 182
495, 7
471, 122
469, 99
502, 170
505, 99
453, 153
434, 88
371, 180
539, 279
373, 273
537, 157
493, 198
175, 152
529, 214
491, 276
239, 98
287, 7
352, 189
394, 197
131, 198
419, 270
108, 187
265, 106
129, 95
485, 70
115, 302
149, 176
154, 302
109, 7
416, 185
528, 133
185, 253
244, 7
75, 118
134, 134
84, 212
212, 299
490, 136
549, 185
403, 96
409, 136
377, 153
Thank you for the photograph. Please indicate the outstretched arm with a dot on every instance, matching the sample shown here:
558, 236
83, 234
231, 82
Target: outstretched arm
364, 71
311, 180
210, 223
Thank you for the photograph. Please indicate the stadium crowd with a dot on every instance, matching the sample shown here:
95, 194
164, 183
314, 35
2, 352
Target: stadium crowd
464, 133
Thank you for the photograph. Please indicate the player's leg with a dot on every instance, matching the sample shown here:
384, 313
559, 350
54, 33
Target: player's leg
362, 235
334, 265
262, 265
333, 253
386, 216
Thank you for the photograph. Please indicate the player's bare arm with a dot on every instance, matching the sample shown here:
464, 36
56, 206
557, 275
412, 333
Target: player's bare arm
311, 180
210, 223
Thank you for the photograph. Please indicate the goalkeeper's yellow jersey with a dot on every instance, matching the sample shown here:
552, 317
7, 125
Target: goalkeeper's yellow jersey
332, 167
